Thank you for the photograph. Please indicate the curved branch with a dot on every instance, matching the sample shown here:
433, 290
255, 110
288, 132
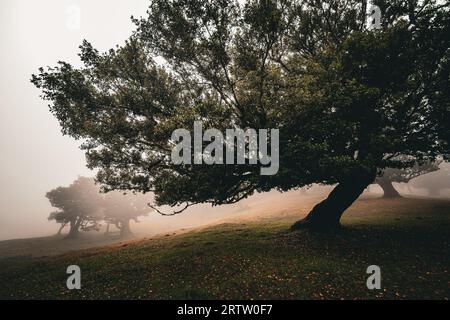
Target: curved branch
173, 213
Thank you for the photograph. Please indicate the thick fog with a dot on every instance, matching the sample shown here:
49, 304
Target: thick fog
35, 157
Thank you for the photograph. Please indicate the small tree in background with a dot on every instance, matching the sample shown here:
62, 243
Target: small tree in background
78, 204
390, 175
119, 209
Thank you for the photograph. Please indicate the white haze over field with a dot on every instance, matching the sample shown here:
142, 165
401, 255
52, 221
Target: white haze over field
36, 158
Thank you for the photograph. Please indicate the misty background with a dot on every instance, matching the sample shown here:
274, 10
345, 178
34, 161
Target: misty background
35, 157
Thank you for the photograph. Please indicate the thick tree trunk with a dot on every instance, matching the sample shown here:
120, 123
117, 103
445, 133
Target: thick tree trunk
388, 189
125, 230
74, 228
73, 232
327, 215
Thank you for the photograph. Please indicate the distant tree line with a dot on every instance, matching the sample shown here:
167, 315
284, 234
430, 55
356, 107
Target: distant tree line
82, 207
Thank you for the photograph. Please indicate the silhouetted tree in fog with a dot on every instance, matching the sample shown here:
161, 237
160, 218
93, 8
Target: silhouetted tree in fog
390, 175
79, 205
347, 101
119, 209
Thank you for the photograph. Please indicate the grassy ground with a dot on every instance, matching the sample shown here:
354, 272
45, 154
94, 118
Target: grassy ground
407, 238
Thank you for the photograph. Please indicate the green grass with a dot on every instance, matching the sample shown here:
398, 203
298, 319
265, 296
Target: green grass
407, 238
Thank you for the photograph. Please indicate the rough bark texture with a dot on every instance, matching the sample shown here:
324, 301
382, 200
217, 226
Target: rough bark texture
327, 214
388, 189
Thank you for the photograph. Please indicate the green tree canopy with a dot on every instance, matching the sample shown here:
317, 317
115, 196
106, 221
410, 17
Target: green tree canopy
347, 101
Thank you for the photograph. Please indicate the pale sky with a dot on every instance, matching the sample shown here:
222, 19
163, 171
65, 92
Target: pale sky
34, 156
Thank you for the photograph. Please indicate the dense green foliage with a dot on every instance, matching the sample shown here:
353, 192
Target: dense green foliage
348, 101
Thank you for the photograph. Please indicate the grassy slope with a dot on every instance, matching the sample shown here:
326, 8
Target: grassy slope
407, 238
